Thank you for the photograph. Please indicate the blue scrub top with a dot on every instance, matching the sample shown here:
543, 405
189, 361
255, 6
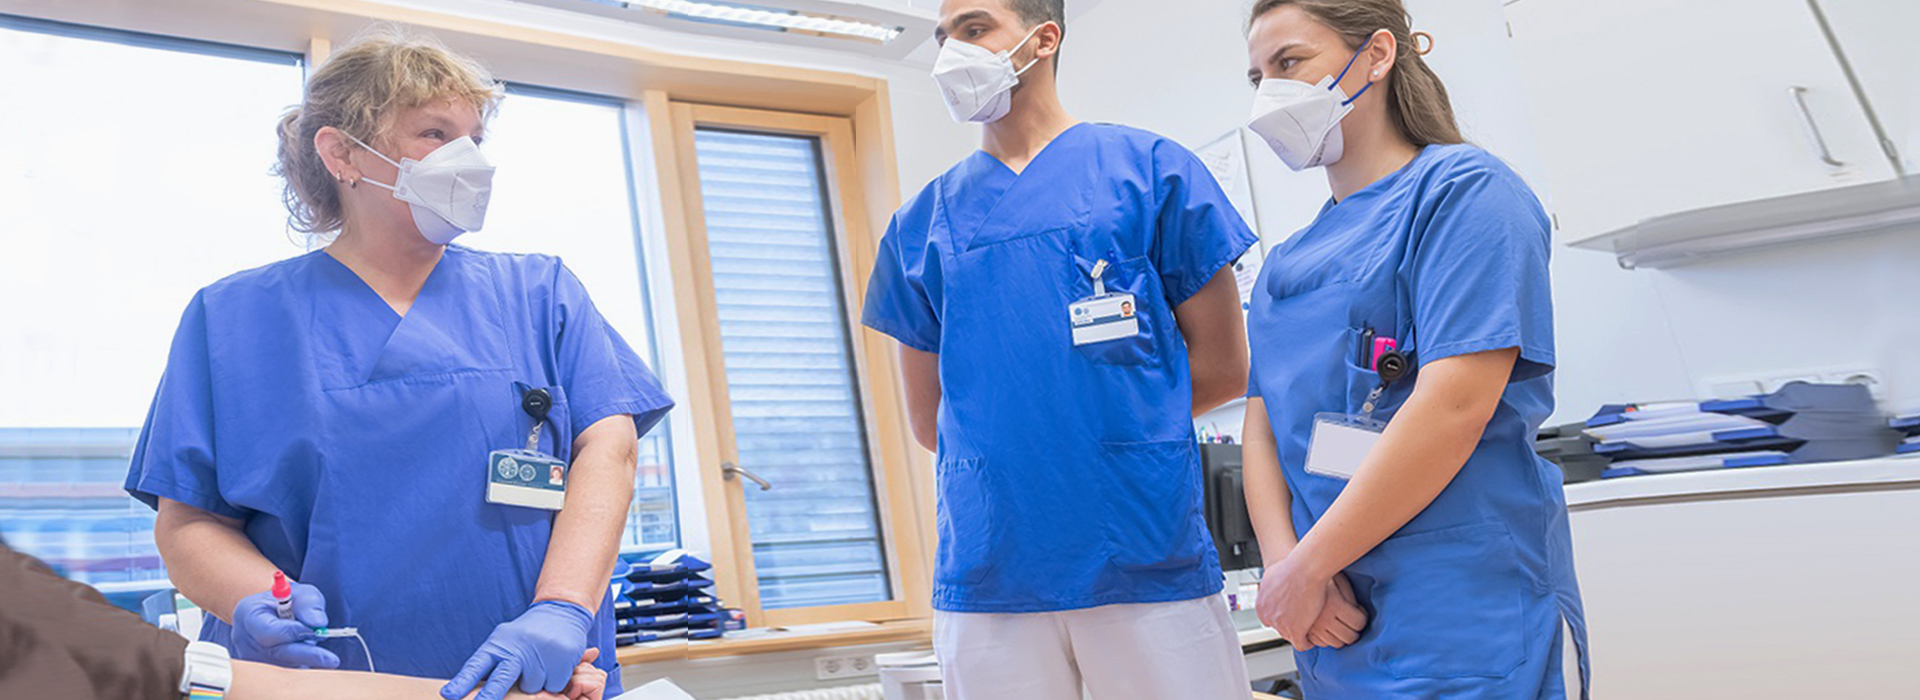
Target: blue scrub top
1069, 476
352, 442
1448, 255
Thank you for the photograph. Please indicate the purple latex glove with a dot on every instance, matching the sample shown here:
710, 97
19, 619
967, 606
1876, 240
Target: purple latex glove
539, 649
260, 635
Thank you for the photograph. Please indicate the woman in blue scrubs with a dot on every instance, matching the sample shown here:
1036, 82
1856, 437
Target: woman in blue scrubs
332, 415
1415, 544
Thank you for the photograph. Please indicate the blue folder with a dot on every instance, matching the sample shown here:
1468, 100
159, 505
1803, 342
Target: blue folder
1696, 463
1808, 422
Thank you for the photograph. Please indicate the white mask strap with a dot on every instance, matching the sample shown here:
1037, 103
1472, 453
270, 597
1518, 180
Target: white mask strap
376, 154
1023, 42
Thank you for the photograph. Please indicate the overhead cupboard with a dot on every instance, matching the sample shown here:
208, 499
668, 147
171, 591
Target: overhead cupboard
1673, 130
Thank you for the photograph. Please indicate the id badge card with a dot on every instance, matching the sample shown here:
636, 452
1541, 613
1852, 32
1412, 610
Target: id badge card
526, 478
1339, 443
1103, 317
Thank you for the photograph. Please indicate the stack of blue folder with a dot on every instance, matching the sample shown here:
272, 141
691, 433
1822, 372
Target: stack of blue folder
1798, 424
1908, 424
667, 598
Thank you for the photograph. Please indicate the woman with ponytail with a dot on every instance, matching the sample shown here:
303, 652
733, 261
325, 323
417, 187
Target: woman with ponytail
1402, 359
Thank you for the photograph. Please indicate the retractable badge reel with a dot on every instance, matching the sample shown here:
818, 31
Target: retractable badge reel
1104, 316
1340, 441
528, 477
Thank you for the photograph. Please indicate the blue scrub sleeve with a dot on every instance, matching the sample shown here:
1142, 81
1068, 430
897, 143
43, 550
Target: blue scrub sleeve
1199, 232
601, 374
174, 458
1479, 274
897, 302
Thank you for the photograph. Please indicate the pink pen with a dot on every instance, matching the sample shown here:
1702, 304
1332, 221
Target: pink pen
1382, 346
282, 596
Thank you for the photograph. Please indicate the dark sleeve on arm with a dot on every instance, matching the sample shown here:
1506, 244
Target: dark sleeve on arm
600, 373
59, 638
1198, 231
1479, 273
897, 303
174, 458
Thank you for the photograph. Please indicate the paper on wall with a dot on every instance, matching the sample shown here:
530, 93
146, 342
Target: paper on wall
1226, 158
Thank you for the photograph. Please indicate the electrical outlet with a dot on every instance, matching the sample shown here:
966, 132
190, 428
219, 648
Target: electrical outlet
1773, 384
829, 668
1739, 387
1867, 377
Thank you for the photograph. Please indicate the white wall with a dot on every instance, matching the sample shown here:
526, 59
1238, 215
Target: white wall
1178, 69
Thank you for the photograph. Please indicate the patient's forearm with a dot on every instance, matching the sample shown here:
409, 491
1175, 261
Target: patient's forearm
253, 681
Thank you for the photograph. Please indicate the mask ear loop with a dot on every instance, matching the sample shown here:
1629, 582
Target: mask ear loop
1023, 42
1343, 71
377, 154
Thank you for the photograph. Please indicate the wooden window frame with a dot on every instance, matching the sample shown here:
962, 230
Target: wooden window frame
864, 178
875, 364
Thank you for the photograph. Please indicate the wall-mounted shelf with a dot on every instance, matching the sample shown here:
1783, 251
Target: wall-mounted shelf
1694, 236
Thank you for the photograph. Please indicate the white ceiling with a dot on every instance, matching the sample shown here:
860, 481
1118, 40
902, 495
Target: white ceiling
925, 52
914, 46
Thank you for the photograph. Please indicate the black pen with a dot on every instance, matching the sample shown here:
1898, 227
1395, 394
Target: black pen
1366, 348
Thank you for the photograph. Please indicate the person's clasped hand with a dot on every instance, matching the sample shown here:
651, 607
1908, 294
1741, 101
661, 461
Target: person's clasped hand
259, 634
1308, 611
539, 649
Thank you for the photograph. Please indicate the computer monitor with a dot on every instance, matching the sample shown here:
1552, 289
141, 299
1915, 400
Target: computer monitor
1226, 507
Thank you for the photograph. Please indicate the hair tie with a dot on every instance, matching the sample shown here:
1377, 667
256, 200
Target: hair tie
1417, 36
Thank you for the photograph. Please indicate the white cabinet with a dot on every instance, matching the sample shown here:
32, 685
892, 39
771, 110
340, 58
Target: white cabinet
1877, 38
1764, 585
1646, 108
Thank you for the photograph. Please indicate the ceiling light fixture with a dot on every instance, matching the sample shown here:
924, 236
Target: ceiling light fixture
765, 18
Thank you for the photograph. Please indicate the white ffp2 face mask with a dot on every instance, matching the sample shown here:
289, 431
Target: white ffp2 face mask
447, 190
977, 84
1301, 122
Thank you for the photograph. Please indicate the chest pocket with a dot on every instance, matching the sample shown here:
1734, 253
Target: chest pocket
507, 425
1132, 276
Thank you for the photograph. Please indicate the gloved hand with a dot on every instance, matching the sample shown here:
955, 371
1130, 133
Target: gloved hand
260, 635
539, 649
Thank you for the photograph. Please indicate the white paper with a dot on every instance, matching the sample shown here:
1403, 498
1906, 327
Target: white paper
830, 627
1691, 423
662, 689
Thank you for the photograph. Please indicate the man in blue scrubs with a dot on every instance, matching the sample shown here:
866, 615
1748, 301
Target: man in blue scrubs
1064, 308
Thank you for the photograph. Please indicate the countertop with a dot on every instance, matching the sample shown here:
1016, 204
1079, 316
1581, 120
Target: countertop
1885, 472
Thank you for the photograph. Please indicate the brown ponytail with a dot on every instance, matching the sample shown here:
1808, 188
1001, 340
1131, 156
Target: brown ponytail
1417, 102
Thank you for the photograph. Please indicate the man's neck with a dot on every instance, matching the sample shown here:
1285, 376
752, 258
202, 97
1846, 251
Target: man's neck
1034, 120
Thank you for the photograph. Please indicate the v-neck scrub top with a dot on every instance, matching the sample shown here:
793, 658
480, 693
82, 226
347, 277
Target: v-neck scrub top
352, 441
1448, 255
1068, 475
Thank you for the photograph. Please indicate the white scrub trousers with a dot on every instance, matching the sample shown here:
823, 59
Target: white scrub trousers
1184, 650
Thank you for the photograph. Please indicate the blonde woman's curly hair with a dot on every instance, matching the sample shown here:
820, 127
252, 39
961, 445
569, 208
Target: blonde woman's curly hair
358, 90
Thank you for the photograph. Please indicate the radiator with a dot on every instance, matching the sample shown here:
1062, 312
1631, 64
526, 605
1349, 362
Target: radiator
870, 691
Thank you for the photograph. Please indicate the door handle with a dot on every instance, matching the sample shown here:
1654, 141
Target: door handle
731, 470
1799, 95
